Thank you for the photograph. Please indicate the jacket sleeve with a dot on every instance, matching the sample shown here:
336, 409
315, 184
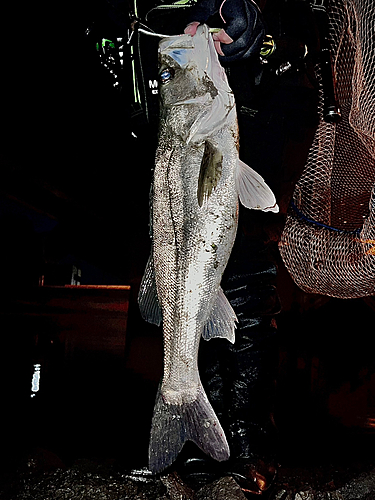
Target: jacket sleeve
242, 22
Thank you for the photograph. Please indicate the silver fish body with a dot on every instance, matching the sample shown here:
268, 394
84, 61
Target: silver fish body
196, 187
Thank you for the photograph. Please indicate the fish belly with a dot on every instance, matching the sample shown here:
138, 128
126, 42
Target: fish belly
192, 245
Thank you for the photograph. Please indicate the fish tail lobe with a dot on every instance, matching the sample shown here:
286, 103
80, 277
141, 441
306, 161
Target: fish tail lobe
174, 424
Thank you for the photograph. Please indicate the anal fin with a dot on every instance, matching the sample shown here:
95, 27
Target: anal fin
222, 321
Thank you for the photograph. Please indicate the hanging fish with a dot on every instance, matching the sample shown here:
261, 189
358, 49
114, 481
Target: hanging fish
198, 180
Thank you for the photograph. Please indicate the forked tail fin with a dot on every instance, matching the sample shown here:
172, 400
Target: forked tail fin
173, 425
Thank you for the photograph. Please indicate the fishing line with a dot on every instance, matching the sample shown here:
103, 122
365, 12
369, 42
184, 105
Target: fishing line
152, 33
145, 30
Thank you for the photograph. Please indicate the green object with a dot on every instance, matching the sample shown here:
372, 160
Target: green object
104, 41
268, 47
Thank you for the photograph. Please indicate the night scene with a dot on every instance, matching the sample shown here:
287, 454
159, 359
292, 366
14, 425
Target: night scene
187, 220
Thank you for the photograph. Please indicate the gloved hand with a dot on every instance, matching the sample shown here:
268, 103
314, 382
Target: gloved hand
244, 27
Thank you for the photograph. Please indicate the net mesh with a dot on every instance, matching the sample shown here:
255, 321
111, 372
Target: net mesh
328, 242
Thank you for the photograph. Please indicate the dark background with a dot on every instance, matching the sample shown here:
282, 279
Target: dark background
74, 192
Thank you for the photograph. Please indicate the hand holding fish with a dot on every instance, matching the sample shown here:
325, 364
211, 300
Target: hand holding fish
219, 36
243, 32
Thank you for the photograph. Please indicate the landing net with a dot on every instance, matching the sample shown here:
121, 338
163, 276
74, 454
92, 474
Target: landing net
328, 243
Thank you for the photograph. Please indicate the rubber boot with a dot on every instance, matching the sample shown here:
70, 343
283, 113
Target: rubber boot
252, 363
251, 431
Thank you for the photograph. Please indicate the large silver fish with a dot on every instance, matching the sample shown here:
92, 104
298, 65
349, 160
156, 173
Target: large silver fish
198, 179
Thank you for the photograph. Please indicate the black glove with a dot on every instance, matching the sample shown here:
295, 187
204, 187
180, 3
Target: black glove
242, 22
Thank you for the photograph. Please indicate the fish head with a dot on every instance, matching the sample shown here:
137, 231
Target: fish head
191, 76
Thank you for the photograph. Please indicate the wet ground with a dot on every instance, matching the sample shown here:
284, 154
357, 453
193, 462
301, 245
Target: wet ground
43, 476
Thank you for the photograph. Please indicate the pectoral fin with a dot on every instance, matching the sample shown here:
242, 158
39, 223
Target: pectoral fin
253, 191
210, 172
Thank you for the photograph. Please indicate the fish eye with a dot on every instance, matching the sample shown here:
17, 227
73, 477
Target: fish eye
166, 75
